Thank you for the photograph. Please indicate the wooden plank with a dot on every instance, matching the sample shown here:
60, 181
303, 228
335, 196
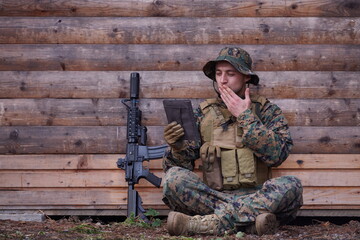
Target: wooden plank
139, 57
76, 197
321, 112
116, 178
109, 84
202, 8
326, 139
110, 198
75, 208
106, 139
83, 112
329, 212
171, 84
309, 84
65, 162
68, 162
321, 161
140, 30
323, 178
69, 179
108, 161
111, 112
330, 196
112, 139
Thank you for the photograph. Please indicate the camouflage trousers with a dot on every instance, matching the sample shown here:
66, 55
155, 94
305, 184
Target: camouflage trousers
185, 192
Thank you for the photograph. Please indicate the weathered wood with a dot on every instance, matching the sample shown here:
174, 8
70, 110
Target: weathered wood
69, 178
83, 112
319, 211
105, 112
204, 8
116, 178
321, 161
320, 112
112, 139
66, 162
326, 139
112, 198
324, 178
108, 84
332, 196
171, 84
309, 84
140, 30
73, 57
91, 197
107, 139
107, 162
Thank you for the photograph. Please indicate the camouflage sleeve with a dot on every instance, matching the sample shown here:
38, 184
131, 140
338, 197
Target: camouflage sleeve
186, 156
269, 138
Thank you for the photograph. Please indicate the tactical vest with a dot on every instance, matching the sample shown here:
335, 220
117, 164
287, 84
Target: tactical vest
226, 163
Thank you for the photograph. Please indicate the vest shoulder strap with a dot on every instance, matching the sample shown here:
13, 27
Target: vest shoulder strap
258, 103
205, 104
259, 99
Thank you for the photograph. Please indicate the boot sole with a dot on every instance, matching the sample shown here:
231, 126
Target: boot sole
174, 226
266, 224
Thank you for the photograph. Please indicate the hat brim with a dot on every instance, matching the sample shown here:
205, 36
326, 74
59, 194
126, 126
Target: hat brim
209, 71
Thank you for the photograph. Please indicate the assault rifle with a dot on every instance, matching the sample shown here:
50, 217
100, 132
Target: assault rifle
137, 151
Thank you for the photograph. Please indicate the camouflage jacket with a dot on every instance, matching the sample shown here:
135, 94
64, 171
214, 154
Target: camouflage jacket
269, 139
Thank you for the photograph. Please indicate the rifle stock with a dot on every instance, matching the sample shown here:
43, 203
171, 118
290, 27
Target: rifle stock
137, 151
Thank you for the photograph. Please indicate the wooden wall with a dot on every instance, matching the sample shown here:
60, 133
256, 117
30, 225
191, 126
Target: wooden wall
65, 65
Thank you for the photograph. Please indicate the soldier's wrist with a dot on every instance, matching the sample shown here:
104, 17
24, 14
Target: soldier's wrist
178, 146
244, 115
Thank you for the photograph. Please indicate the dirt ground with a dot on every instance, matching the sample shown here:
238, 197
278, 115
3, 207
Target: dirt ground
90, 229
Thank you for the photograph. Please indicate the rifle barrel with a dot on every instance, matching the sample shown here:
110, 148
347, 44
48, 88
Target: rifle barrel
134, 85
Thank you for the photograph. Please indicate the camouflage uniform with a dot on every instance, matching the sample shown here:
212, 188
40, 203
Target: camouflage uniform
269, 138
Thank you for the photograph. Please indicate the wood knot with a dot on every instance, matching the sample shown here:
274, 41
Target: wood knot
325, 139
158, 3
265, 28
14, 135
78, 143
23, 86
299, 162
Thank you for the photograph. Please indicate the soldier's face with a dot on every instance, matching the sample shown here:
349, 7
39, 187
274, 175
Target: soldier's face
226, 74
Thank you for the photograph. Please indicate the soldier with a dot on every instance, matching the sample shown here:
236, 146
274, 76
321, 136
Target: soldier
242, 136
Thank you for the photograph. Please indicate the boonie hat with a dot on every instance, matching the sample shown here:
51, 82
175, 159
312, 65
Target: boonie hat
238, 58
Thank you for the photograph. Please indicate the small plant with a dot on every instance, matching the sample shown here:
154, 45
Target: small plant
19, 234
41, 233
152, 214
138, 221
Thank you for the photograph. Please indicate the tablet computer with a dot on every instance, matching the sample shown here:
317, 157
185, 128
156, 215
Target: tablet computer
181, 111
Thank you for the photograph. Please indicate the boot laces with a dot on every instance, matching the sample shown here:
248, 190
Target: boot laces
204, 224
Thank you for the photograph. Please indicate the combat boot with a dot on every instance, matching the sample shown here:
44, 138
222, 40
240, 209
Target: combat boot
182, 224
265, 224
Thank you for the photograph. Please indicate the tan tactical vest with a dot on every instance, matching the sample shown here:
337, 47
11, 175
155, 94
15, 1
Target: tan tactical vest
226, 163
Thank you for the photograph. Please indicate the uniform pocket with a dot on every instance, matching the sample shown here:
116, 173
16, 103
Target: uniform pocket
229, 169
247, 167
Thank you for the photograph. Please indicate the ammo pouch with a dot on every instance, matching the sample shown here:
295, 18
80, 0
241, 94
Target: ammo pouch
239, 168
226, 163
228, 169
211, 166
